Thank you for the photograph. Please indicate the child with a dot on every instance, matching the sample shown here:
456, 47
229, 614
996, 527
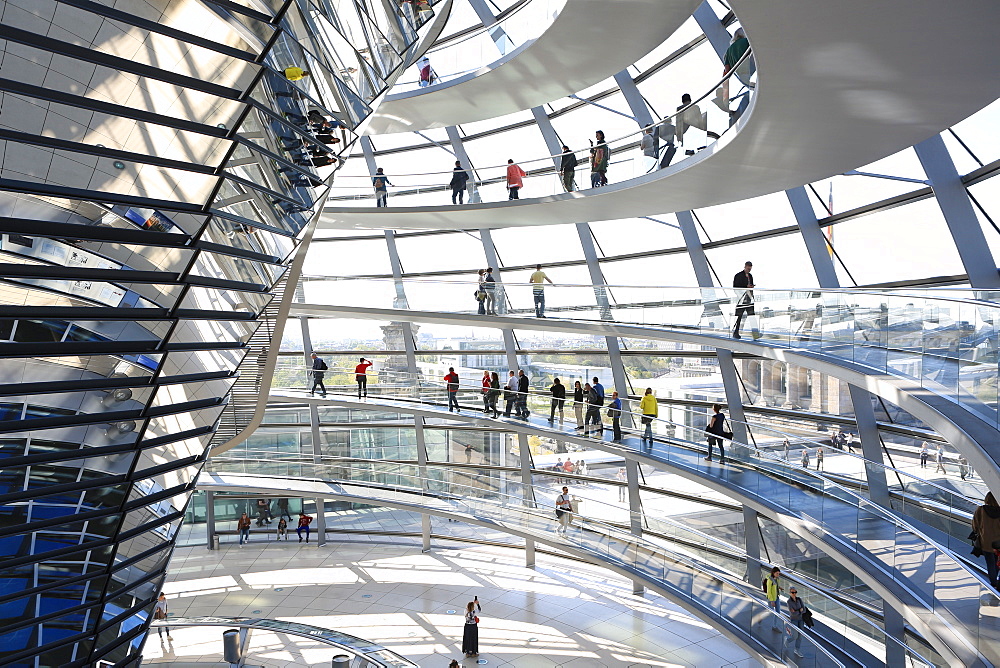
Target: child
282, 529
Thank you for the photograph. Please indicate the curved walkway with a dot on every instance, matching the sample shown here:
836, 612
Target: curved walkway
723, 602
932, 589
833, 93
588, 41
962, 428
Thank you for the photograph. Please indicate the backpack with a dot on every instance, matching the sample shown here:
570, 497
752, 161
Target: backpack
763, 585
323, 366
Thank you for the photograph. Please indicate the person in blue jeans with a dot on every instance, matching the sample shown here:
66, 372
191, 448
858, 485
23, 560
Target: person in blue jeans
773, 591
452, 385
244, 528
795, 609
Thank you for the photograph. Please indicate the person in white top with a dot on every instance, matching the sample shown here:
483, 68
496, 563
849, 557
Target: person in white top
160, 612
564, 510
537, 281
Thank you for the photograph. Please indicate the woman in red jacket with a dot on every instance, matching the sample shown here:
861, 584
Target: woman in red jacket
514, 176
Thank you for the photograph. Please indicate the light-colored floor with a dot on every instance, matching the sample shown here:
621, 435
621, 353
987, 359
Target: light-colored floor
562, 613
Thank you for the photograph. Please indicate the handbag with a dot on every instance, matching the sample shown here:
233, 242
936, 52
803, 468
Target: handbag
976, 550
728, 435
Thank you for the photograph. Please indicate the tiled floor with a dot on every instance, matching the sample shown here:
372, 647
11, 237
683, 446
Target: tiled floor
562, 613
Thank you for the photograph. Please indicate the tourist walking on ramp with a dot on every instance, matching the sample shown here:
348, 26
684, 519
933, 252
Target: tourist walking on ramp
650, 410
615, 413
361, 376
452, 386
490, 287
744, 303
537, 281
558, 391
515, 176
716, 432
600, 158
381, 182
567, 168
318, 367
564, 510
459, 177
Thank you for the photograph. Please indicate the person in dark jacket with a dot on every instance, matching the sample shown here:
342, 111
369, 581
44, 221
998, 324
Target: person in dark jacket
558, 391
744, 307
494, 394
795, 609
592, 421
522, 395
318, 367
567, 168
578, 404
986, 525
716, 425
451, 381
459, 177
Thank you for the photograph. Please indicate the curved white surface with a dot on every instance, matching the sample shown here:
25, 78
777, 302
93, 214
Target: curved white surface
589, 41
840, 85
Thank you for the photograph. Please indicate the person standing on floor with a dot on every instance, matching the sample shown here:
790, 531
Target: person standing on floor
578, 405
592, 421
558, 392
716, 427
523, 385
564, 510
318, 367
243, 526
744, 304
648, 146
459, 177
923, 455
510, 393
986, 526
650, 410
773, 590
796, 608
819, 459
490, 288
494, 395
486, 391
939, 460
381, 182
361, 375
615, 413
805, 458
515, 176
622, 489
426, 73
282, 529
304, 522
452, 386
481, 292
567, 168
537, 281
600, 158
283, 508
160, 612
470, 637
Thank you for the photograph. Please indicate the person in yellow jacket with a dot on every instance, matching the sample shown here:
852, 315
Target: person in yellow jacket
773, 590
650, 409
295, 73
